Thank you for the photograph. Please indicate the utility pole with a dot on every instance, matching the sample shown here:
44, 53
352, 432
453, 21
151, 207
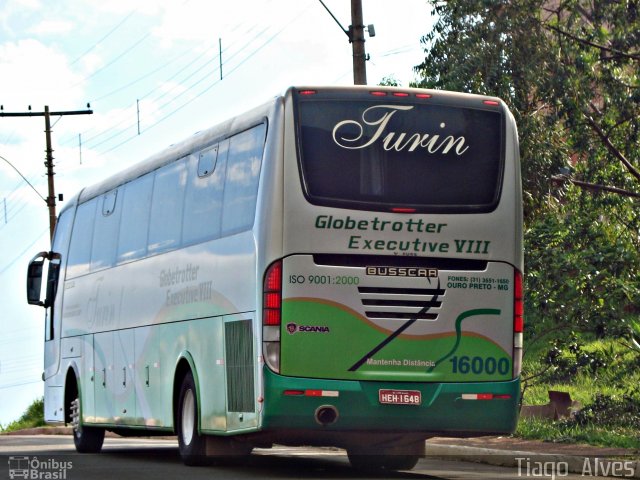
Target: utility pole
356, 39
356, 36
51, 198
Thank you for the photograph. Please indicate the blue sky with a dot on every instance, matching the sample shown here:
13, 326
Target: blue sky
160, 58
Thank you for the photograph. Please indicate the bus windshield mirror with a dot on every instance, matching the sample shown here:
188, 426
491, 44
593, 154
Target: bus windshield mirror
34, 279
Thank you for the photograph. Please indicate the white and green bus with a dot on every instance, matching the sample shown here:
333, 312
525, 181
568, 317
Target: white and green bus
339, 266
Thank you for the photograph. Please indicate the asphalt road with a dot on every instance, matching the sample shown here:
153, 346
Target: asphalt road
53, 457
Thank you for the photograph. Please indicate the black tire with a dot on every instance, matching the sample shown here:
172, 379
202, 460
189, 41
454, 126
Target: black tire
376, 462
389, 456
191, 443
86, 439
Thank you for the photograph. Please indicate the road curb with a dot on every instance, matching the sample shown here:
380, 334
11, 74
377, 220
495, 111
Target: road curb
529, 463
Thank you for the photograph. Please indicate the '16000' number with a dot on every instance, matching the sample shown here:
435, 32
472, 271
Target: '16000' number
479, 365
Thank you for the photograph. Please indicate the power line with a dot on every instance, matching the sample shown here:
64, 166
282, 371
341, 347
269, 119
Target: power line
24, 178
19, 384
125, 119
23, 252
242, 62
114, 60
103, 38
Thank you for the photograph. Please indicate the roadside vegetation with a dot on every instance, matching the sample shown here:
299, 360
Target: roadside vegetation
569, 73
31, 418
603, 375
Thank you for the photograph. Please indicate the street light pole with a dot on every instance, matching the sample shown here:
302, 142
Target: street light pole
356, 38
356, 35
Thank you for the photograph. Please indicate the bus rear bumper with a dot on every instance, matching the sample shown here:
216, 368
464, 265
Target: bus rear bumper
447, 409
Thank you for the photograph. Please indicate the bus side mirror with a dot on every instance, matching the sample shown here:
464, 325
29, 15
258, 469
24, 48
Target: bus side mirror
34, 279
52, 278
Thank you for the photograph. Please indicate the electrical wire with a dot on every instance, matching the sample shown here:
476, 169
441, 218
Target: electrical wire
111, 32
23, 252
242, 62
24, 178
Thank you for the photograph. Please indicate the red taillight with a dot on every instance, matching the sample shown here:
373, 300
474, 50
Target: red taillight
400, 94
485, 396
518, 322
378, 93
403, 210
491, 103
307, 92
423, 95
272, 299
518, 304
273, 278
271, 318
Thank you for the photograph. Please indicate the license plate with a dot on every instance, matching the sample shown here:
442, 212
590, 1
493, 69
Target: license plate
400, 397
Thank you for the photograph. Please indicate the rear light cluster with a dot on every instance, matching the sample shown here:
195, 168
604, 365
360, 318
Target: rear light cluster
272, 315
384, 93
518, 323
381, 93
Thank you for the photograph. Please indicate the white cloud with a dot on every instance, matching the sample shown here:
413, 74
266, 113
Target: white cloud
52, 27
36, 74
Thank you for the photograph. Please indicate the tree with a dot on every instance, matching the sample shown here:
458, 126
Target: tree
569, 71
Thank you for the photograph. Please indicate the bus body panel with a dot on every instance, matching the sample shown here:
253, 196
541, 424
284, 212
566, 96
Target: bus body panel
341, 322
443, 410
130, 324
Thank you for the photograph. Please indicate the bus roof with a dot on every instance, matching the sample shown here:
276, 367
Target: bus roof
196, 141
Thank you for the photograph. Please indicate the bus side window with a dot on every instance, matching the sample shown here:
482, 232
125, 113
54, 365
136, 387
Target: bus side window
203, 198
134, 221
82, 240
165, 228
105, 235
241, 182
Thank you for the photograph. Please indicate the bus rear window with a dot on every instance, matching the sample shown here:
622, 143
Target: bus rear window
385, 155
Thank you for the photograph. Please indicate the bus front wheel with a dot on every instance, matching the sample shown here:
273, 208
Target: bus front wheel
191, 443
86, 439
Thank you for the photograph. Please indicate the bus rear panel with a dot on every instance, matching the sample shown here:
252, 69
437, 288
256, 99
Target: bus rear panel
396, 306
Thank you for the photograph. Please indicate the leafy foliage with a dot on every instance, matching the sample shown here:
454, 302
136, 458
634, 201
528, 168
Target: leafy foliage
611, 411
570, 72
32, 417
602, 374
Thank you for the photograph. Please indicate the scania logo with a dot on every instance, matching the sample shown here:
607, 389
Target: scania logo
294, 327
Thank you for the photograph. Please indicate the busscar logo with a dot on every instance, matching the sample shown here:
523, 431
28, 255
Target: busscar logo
295, 328
421, 272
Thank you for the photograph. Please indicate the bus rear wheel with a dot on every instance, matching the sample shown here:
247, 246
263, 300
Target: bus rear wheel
383, 462
86, 439
191, 443
390, 458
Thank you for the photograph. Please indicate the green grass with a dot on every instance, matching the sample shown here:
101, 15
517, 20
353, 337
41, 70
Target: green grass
563, 432
32, 417
615, 379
